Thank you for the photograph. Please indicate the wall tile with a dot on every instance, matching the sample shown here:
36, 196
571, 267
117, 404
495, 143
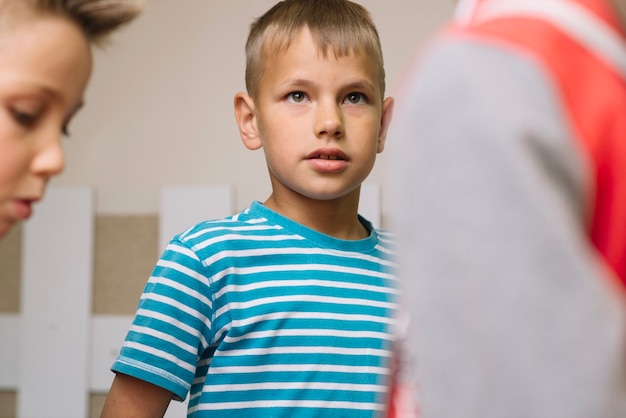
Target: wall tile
8, 401
10, 270
126, 252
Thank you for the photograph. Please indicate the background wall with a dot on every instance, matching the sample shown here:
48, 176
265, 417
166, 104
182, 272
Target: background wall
159, 112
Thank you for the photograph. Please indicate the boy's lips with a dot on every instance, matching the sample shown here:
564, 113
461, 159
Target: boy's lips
328, 160
328, 154
23, 208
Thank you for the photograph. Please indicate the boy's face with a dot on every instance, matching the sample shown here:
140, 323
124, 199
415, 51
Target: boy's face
321, 121
45, 63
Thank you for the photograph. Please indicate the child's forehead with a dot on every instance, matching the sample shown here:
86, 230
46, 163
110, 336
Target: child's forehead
279, 43
306, 64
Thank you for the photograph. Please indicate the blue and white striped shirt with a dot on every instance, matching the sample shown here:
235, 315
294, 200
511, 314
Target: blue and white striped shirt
258, 316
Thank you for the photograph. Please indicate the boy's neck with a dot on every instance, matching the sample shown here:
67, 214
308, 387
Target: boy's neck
337, 218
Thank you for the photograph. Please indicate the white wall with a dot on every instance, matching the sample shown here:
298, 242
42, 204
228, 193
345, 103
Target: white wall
159, 107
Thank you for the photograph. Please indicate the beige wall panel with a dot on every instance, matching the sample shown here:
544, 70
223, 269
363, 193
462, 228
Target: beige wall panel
10, 271
8, 400
96, 402
126, 252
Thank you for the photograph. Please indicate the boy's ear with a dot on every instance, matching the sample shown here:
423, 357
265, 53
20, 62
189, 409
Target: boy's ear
385, 121
246, 121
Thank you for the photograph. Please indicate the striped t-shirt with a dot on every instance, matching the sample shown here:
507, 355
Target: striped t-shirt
257, 316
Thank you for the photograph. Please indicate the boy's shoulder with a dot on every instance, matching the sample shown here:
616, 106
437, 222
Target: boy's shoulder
248, 220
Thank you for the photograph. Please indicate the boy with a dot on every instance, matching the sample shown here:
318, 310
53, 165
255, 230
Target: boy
285, 309
45, 64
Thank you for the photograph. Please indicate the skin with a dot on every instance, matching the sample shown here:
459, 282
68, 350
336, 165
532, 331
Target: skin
45, 64
134, 398
321, 121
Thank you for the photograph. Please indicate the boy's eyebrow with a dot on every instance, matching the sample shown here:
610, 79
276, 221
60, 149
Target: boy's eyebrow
52, 92
297, 82
361, 85
356, 85
57, 95
36, 87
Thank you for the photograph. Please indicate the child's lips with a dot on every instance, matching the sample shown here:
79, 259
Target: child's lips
328, 160
23, 208
327, 157
328, 154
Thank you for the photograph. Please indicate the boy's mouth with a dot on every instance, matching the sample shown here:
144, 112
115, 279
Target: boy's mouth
328, 160
328, 154
328, 157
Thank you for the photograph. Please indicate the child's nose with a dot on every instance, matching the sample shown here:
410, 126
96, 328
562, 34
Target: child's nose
49, 159
329, 122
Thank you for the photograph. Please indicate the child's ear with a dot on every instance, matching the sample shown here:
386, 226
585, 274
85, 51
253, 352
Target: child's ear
246, 121
385, 121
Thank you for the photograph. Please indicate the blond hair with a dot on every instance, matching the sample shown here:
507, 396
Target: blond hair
340, 26
96, 18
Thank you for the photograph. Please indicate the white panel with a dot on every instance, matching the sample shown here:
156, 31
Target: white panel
370, 203
56, 306
177, 409
184, 206
108, 333
9, 351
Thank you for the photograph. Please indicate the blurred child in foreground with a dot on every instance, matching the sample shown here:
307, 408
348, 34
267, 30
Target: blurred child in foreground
510, 204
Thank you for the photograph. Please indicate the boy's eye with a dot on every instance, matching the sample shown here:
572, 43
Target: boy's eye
296, 97
355, 98
24, 118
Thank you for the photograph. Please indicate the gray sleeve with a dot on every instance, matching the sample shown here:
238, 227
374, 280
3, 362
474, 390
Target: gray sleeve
511, 316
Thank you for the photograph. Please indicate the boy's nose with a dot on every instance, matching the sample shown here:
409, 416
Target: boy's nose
49, 159
328, 121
